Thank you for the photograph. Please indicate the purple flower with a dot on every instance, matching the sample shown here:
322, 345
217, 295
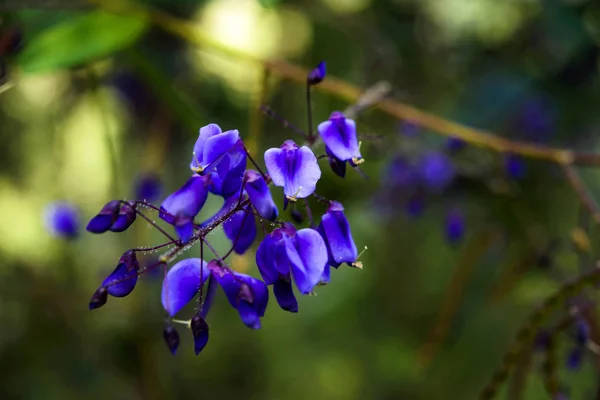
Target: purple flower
148, 187
436, 171
121, 281
62, 220
282, 289
171, 337
200, 332
248, 295
226, 178
415, 204
337, 166
295, 169
287, 253
317, 75
339, 136
575, 357
241, 230
105, 219
455, 226
454, 144
210, 148
125, 218
335, 230
182, 283
402, 173
180, 208
514, 166
99, 298
260, 195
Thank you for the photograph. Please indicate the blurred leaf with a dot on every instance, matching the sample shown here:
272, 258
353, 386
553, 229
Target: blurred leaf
81, 39
269, 3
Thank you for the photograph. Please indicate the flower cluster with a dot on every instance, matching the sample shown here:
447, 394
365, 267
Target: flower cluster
287, 256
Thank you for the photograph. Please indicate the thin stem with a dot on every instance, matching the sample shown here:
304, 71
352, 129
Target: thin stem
161, 230
309, 213
286, 124
309, 111
584, 195
160, 246
258, 168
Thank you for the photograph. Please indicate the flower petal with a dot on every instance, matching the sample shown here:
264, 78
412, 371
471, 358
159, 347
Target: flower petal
282, 289
126, 217
228, 174
265, 261
200, 332
121, 281
339, 135
105, 218
206, 132
335, 230
307, 254
182, 283
241, 230
171, 337
217, 146
260, 195
187, 201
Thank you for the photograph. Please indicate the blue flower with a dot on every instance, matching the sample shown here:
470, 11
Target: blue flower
514, 166
180, 208
455, 226
200, 332
287, 253
182, 283
121, 281
171, 337
126, 217
105, 219
98, 298
227, 176
62, 219
335, 230
148, 187
339, 136
211, 147
241, 230
260, 195
248, 295
436, 170
317, 75
295, 169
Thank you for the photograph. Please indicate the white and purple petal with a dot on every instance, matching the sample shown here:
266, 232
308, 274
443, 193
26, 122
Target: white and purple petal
308, 258
335, 230
211, 147
339, 135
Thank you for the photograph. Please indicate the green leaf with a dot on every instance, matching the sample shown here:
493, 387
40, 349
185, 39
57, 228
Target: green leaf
81, 39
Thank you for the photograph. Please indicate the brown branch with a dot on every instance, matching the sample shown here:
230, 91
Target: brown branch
584, 195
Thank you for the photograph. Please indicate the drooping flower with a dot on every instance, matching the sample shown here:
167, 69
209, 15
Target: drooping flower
260, 195
454, 226
200, 332
180, 208
241, 230
105, 219
335, 230
436, 170
148, 187
227, 176
286, 253
62, 220
171, 337
126, 217
317, 75
121, 281
337, 166
211, 146
98, 298
293, 168
248, 295
339, 136
182, 283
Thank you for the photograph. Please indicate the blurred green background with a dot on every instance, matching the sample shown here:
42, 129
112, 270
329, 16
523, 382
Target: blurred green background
92, 100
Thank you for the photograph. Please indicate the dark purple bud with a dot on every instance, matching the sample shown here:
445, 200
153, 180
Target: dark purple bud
582, 332
98, 298
284, 294
200, 332
454, 144
126, 217
121, 281
107, 216
455, 226
575, 358
129, 259
514, 166
148, 187
317, 75
337, 166
171, 337
297, 216
62, 220
436, 170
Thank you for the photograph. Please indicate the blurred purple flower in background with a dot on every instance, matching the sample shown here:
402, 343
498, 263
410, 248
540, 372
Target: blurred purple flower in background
62, 220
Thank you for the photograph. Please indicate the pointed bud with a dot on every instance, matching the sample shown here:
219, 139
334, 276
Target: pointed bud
200, 332
171, 337
98, 298
297, 216
337, 166
317, 75
126, 217
129, 258
105, 218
